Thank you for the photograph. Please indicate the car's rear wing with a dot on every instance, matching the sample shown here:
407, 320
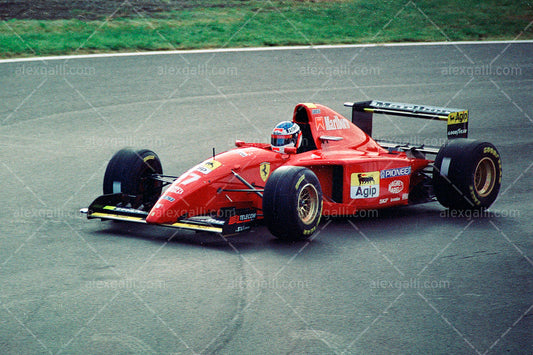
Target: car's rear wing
362, 115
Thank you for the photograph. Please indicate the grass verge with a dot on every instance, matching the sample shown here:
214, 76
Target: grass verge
273, 23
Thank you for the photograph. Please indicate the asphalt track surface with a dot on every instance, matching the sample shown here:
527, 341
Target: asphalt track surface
408, 280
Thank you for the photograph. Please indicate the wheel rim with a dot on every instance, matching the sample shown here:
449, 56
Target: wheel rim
485, 177
308, 204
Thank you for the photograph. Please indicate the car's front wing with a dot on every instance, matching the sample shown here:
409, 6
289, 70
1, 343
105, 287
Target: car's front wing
118, 207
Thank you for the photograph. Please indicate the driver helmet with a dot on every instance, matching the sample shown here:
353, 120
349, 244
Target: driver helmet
286, 134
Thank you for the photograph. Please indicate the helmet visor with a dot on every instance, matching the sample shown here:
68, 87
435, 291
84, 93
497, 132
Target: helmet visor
279, 140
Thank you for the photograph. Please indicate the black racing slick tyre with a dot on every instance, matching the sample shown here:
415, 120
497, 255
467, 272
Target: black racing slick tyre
467, 174
292, 203
129, 171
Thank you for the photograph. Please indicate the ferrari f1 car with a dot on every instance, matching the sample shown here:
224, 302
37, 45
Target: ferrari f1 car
335, 169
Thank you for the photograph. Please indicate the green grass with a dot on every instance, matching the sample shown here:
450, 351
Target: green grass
274, 23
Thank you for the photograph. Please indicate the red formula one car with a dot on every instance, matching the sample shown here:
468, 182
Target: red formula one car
332, 167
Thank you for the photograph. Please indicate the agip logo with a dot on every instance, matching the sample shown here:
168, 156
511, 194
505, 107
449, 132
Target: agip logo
458, 117
364, 185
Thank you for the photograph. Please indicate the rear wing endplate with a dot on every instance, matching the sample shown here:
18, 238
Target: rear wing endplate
362, 115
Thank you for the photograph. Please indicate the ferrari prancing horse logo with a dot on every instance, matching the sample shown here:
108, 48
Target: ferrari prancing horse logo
264, 170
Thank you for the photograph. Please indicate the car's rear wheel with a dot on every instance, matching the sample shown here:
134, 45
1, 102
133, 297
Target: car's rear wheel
467, 174
129, 171
292, 203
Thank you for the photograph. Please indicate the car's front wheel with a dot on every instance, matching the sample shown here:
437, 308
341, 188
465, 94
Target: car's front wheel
129, 171
292, 203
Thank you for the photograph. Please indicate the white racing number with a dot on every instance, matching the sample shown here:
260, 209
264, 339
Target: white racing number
191, 178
